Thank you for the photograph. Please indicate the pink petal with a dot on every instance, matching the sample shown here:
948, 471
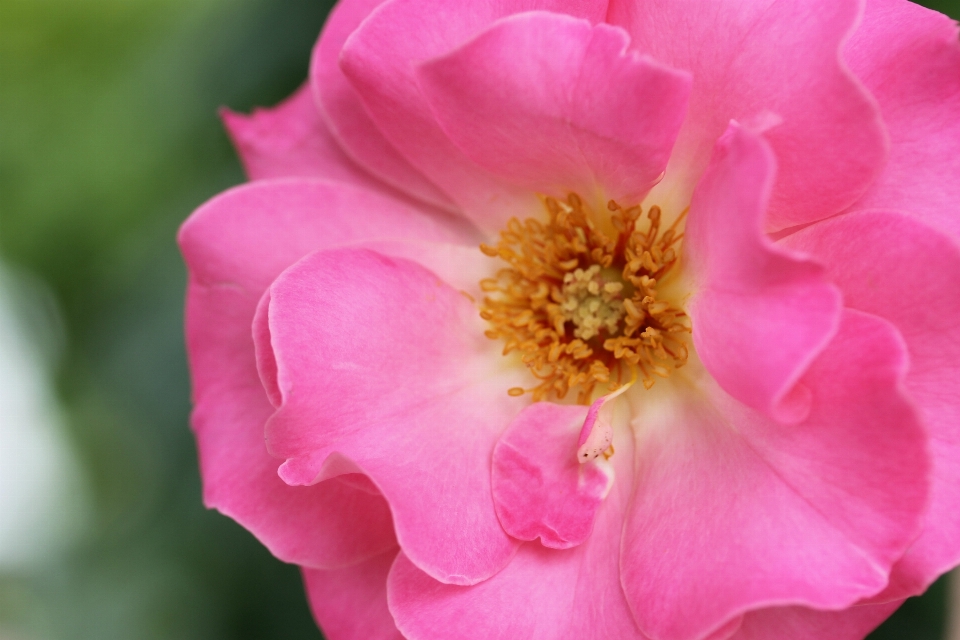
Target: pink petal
234, 246
540, 488
543, 594
727, 631
351, 603
735, 511
326, 525
760, 314
460, 266
890, 265
345, 116
799, 623
380, 60
291, 140
909, 59
757, 59
248, 235
381, 362
572, 110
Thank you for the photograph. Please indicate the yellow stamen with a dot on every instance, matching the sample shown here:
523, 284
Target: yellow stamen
578, 298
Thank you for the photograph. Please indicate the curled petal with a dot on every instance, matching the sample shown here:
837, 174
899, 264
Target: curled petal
344, 115
543, 594
234, 246
736, 512
380, 60
573, 110
327, 525
892, 266
760, 313
383, 364
831, 143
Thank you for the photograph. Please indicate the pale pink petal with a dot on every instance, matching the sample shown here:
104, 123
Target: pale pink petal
736, 512
234, 246
760, 314
890, 265
351, 603
345, 115
539, 487
909, 59
381, 362
799, 623
543, 594
596, 432
555, 105
766, 60
380, 60
461, 266
291, 140
248, 235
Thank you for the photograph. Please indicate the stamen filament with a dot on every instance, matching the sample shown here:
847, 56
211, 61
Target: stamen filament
579, 303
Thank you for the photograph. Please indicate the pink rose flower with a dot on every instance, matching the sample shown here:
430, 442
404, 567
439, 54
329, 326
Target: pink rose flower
574, 319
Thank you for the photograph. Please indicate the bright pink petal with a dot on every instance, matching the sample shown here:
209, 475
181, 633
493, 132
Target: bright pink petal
891, 266
351, 603
760, 314
735, 511
909, 59
767, 60
291, 140
381, 362
380, 60
572, 110
540, 488
727, 631
234, 246
326, 525
345, 116
543, 594
799, 623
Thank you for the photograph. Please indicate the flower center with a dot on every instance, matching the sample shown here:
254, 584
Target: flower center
579, 297
592, 301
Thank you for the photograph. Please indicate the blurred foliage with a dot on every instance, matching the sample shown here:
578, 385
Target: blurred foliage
108, 139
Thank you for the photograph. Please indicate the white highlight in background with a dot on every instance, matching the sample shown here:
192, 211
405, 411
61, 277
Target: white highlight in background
43, 501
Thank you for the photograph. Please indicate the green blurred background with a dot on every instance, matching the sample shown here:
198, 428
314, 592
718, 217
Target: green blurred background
109, 138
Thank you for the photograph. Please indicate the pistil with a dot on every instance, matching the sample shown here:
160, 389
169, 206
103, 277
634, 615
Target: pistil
592, 302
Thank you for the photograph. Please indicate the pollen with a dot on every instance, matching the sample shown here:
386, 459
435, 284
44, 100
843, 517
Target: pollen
591, 302
578, 297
